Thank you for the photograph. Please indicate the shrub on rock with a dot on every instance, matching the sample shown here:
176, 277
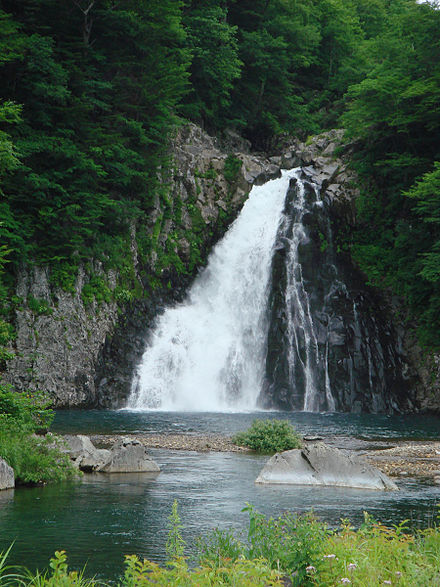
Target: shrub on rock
269, 436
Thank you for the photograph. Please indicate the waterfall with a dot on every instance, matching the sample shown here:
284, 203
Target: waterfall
279, 319
208, 352
297, 363
325, 350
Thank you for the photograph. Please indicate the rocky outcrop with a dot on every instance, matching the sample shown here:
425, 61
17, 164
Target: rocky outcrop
319, 464
82, 348
59, 337
7, 478
125, 456
129, 456
84, 454
81, 343
325, 160
424, 365
331, 345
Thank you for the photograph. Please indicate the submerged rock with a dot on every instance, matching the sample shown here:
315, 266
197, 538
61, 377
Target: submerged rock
319, 464
7, 478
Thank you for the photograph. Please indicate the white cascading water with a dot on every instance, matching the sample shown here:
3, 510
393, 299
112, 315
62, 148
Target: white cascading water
207, 353
299, 317
306, 360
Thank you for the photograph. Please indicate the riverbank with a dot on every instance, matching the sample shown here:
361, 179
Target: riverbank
408, 459
395, 458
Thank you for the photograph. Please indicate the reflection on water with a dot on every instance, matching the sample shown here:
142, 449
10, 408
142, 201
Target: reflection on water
101, 518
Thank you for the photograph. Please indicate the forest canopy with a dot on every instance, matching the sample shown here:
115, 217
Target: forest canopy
91, 90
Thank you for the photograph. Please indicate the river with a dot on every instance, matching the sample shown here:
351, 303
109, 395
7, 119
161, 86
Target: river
102, 517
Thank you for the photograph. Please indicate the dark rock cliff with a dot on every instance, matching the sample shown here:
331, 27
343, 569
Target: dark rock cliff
331, 345
406, 376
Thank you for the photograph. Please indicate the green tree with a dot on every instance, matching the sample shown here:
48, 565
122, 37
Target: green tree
215, 63
277, 44
99, 84
394, 115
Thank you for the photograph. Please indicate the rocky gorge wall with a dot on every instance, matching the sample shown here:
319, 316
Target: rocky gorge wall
81, 345
82, 348
327, 165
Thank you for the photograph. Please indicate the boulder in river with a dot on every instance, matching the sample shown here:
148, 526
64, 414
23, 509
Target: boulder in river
129, 456
125, 456
7, 478
84, 453
320, 464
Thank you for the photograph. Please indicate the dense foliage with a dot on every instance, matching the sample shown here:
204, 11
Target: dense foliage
94, 90
394, 114
34, 458
292, 549
269, 436
91, 91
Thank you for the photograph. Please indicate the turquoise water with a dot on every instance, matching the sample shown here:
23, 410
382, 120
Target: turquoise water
357, 425
101, 518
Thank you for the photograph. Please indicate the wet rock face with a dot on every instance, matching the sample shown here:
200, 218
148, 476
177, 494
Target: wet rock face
331, 345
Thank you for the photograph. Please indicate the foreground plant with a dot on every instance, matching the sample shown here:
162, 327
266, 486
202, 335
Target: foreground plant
291, 544
269, 436
8, 575
378, 555
305, 552
289, 550
241, 572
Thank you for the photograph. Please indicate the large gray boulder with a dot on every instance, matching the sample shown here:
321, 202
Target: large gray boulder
125, 456
7, 478
129, 456
77, 446
84, 454
319, 464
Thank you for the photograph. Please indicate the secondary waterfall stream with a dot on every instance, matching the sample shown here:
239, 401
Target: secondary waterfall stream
279, 319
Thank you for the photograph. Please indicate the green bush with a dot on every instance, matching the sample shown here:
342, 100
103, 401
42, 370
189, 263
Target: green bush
217, 546
26, 412
269, 436
290, 544
39, 306
35, 459
231, 168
